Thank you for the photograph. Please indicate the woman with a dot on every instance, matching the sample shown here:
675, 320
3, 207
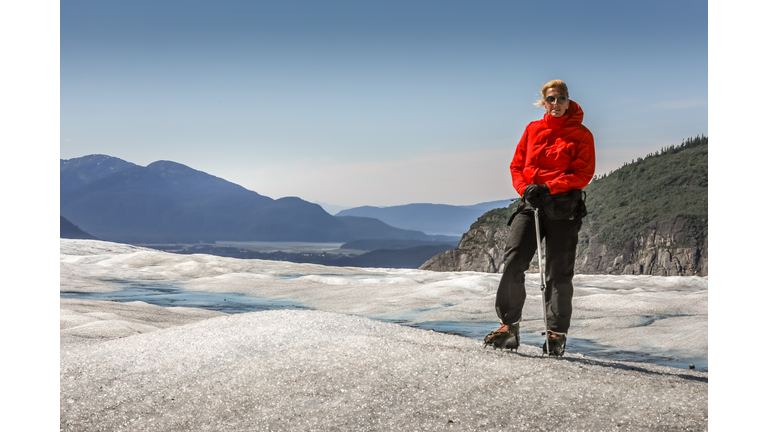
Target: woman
553, 161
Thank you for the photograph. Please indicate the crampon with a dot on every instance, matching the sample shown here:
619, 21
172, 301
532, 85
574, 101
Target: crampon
506, 337
556, 344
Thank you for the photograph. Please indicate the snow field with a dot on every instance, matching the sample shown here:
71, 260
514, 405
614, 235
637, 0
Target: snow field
135, 366
324, 371
660, 315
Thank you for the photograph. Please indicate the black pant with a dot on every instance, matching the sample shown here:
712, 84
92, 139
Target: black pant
562, 236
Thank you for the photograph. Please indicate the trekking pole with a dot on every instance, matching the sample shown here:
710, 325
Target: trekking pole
541, 275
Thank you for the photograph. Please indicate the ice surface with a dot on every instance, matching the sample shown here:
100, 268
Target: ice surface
136, 366
653, 314
88, 321
323, 371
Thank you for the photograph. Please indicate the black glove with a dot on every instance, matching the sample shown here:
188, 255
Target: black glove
536, 195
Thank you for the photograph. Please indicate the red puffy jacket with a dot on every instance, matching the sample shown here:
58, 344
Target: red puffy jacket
557, 151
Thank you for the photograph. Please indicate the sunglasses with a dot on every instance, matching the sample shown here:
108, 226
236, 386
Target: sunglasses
561, 99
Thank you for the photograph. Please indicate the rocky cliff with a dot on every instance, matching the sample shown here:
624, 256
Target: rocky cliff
672, 247
481, 248
665, 248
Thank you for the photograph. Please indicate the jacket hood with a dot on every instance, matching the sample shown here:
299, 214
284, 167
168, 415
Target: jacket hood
573, 116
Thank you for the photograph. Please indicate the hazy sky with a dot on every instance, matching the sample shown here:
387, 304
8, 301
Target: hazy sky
373, 103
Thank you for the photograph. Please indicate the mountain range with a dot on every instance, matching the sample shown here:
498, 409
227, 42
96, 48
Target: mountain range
431, 218
167, 202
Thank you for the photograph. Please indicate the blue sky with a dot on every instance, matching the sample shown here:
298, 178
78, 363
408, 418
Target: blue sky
373, 103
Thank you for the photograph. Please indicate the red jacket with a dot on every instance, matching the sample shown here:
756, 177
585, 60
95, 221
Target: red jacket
556, 151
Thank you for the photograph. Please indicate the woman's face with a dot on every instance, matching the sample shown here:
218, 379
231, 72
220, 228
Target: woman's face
558, 106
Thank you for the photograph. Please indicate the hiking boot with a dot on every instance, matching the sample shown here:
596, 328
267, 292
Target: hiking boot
556, 344
507, 336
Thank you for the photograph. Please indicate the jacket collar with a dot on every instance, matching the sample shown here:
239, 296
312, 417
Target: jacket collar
572, 117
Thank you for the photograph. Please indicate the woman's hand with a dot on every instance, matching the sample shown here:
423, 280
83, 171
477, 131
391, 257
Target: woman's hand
535, 194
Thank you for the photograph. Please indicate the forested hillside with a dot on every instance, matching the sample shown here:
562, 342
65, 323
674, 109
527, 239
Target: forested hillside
650, 216
669, 183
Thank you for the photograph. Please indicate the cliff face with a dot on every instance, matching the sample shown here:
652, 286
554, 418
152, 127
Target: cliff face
671, 247
481, 248
667, 248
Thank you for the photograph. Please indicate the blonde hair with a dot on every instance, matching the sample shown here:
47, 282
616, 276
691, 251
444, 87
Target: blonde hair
557, 84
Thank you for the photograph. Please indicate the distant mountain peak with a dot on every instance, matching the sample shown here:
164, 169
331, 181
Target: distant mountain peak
94, 159
77, 172
166, 164
174, 169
